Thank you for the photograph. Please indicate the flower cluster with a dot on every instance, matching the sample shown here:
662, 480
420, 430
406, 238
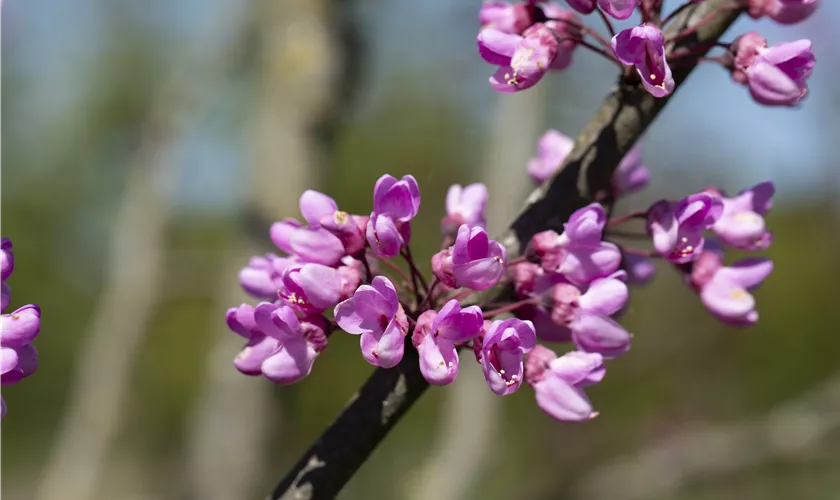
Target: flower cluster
527, 39
338, 271
18, 329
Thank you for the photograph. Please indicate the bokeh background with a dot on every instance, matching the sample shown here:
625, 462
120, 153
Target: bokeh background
148, 146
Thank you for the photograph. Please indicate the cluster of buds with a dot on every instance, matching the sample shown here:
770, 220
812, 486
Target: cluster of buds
529, 38
18, 357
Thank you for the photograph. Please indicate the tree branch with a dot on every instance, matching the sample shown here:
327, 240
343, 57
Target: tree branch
622, 119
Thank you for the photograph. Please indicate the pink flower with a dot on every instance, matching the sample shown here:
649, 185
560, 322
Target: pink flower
778, 75
579, 254
742, 223
7, 259
619, 9
312, 243
567, 28
631, 175
508, 18
384, 236
435, 337
587, 314
677, 228
464, 206
791, 11
558, 382
644, 47
311, 288
398, 199
523, 60
298, 342
724, 291
502, 352
744, 51
477, 261
582, 6
261, 278
552, 150
640, 270
375, 313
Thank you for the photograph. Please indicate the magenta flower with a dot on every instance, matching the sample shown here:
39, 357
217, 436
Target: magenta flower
18, 363
384, 236
477, 261
742, 223
18, 357
398, 199
778, 75
619, 9
631, 175
502, 351
350, 275
298, 342
311, 288
644, 47
505, 17
522, 60
552, 150
464, 206
21, 326
578, 253
442, 267
375, 313
640, 270
259, 347
587, 314
435, 337
582, 6
7, 259
744, 50
677, 228
261, 278
5, 295
558, 382
791, 11
724, 291
567, 28
312, 243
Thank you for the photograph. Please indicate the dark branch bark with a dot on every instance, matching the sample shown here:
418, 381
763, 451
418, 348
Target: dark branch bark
622, 119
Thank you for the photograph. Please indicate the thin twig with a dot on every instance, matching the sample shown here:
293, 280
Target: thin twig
606, 20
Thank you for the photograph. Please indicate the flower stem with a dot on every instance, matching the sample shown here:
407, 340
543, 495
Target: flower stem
428, 299
512, 307
607, 21
397, 269
638, 214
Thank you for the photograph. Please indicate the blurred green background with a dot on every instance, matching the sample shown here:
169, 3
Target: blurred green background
148, 146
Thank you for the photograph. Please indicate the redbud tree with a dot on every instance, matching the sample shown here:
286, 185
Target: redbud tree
536, 306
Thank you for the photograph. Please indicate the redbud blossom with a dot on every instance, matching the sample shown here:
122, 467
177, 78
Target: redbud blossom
464, 205
587, 314
742, 223
644, 48
677, 228
578, 253
552, 150
631, 175
383, 235
5, 295
582, 6
778, 75
435, 337
724, 291
261, 278
442, 267
619, 9
299, 342
567, 28
7, 258
558, 382
398, 199
640, 270
791, 11
508, 18
375, 313
477, 261
744, 50
523, 60
311, 288
502, 352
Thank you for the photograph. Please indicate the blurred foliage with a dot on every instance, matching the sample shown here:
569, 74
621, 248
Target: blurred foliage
685, 368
